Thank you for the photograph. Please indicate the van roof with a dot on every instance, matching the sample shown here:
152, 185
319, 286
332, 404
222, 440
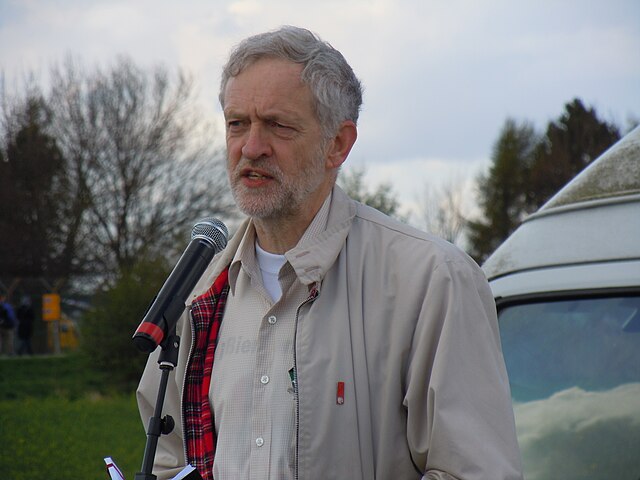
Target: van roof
614, 173
594, 218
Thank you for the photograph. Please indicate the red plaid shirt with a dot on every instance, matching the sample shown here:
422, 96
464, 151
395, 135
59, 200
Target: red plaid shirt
199, 429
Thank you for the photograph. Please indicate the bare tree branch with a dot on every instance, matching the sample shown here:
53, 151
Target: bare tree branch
140, 159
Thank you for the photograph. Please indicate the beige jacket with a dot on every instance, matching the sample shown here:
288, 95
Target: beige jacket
408, 323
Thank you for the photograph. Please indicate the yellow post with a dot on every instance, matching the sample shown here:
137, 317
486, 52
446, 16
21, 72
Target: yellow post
51, 313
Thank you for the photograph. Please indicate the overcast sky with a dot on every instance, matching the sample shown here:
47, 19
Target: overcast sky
440, 76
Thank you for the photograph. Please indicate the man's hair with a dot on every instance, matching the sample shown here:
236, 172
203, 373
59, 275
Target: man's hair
336, 91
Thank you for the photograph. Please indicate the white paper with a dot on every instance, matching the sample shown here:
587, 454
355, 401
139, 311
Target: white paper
112, 468
185, 472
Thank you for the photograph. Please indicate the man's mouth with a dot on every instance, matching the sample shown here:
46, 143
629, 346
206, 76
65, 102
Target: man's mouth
255, 178
256, 175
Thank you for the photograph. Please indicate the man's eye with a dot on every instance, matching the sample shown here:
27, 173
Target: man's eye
233, 123
281, 127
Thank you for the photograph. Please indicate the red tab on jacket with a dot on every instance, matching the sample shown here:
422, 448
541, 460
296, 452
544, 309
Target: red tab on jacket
340, 393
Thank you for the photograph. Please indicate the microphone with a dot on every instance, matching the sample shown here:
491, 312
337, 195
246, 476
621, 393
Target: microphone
208, 237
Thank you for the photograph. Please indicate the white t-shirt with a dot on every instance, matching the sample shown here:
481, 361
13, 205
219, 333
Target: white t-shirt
270, 265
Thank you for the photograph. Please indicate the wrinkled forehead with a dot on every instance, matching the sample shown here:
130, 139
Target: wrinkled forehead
239, 67
269, 83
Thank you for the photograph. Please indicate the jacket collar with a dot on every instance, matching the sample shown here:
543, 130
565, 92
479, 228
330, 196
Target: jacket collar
311, 259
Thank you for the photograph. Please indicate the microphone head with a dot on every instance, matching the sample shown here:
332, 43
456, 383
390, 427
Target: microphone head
166, 308
213, 231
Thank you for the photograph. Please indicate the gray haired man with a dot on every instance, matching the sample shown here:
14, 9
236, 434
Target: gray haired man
328, 341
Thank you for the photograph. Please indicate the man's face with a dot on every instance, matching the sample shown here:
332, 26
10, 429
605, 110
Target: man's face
275, 151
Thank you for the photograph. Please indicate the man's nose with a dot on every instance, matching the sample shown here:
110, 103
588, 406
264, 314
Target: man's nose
256, 144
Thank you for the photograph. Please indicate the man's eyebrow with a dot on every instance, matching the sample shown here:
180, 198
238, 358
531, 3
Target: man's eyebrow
278, 118
291, 116
281, 115
230, 112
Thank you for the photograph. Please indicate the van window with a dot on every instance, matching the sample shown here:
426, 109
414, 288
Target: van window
574, 369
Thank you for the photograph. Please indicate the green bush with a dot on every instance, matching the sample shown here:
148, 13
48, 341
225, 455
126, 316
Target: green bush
108, 327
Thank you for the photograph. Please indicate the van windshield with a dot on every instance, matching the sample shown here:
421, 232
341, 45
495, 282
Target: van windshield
574, 369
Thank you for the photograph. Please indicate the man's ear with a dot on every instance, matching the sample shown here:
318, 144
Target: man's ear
341, 144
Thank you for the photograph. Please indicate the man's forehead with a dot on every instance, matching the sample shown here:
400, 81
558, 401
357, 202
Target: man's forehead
269, 82
268, 71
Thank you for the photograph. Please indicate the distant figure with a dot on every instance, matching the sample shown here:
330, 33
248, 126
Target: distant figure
8, 322
25, 326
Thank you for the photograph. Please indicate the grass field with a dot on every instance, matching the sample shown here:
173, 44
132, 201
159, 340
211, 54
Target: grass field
58, 420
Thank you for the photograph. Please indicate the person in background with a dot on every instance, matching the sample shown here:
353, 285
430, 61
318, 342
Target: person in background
327, 341
26, 317
8, 322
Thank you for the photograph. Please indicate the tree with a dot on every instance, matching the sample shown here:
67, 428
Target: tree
527, 170
140, 161
382, 198
116, 312
572, 142
32, 193
501, 191
442, 210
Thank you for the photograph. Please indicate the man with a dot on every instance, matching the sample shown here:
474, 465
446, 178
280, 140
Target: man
8, 322
327, 340
26, 316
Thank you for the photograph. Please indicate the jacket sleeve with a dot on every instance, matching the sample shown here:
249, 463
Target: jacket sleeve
460, 419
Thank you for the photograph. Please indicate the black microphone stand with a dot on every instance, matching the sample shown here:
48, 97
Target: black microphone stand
167, 360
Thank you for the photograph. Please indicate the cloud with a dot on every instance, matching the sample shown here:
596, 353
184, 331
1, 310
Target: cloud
578, 434
246, 8
440, 77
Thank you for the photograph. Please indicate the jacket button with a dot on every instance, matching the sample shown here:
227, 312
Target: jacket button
259, 441
272, 320
264, 379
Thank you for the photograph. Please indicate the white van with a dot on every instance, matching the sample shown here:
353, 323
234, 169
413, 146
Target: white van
567, 289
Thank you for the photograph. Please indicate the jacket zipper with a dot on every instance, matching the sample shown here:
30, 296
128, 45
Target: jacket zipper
184, 381
313, 294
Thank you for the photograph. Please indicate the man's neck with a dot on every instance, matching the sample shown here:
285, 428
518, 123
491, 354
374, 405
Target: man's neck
280, 235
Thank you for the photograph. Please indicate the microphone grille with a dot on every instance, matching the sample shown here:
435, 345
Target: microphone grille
213, 231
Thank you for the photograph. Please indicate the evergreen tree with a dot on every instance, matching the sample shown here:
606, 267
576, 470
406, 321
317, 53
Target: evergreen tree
572, 142
527, 171
501, 191
32, 196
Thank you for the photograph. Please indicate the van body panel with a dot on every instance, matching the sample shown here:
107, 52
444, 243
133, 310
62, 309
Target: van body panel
592, 276
606, 231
